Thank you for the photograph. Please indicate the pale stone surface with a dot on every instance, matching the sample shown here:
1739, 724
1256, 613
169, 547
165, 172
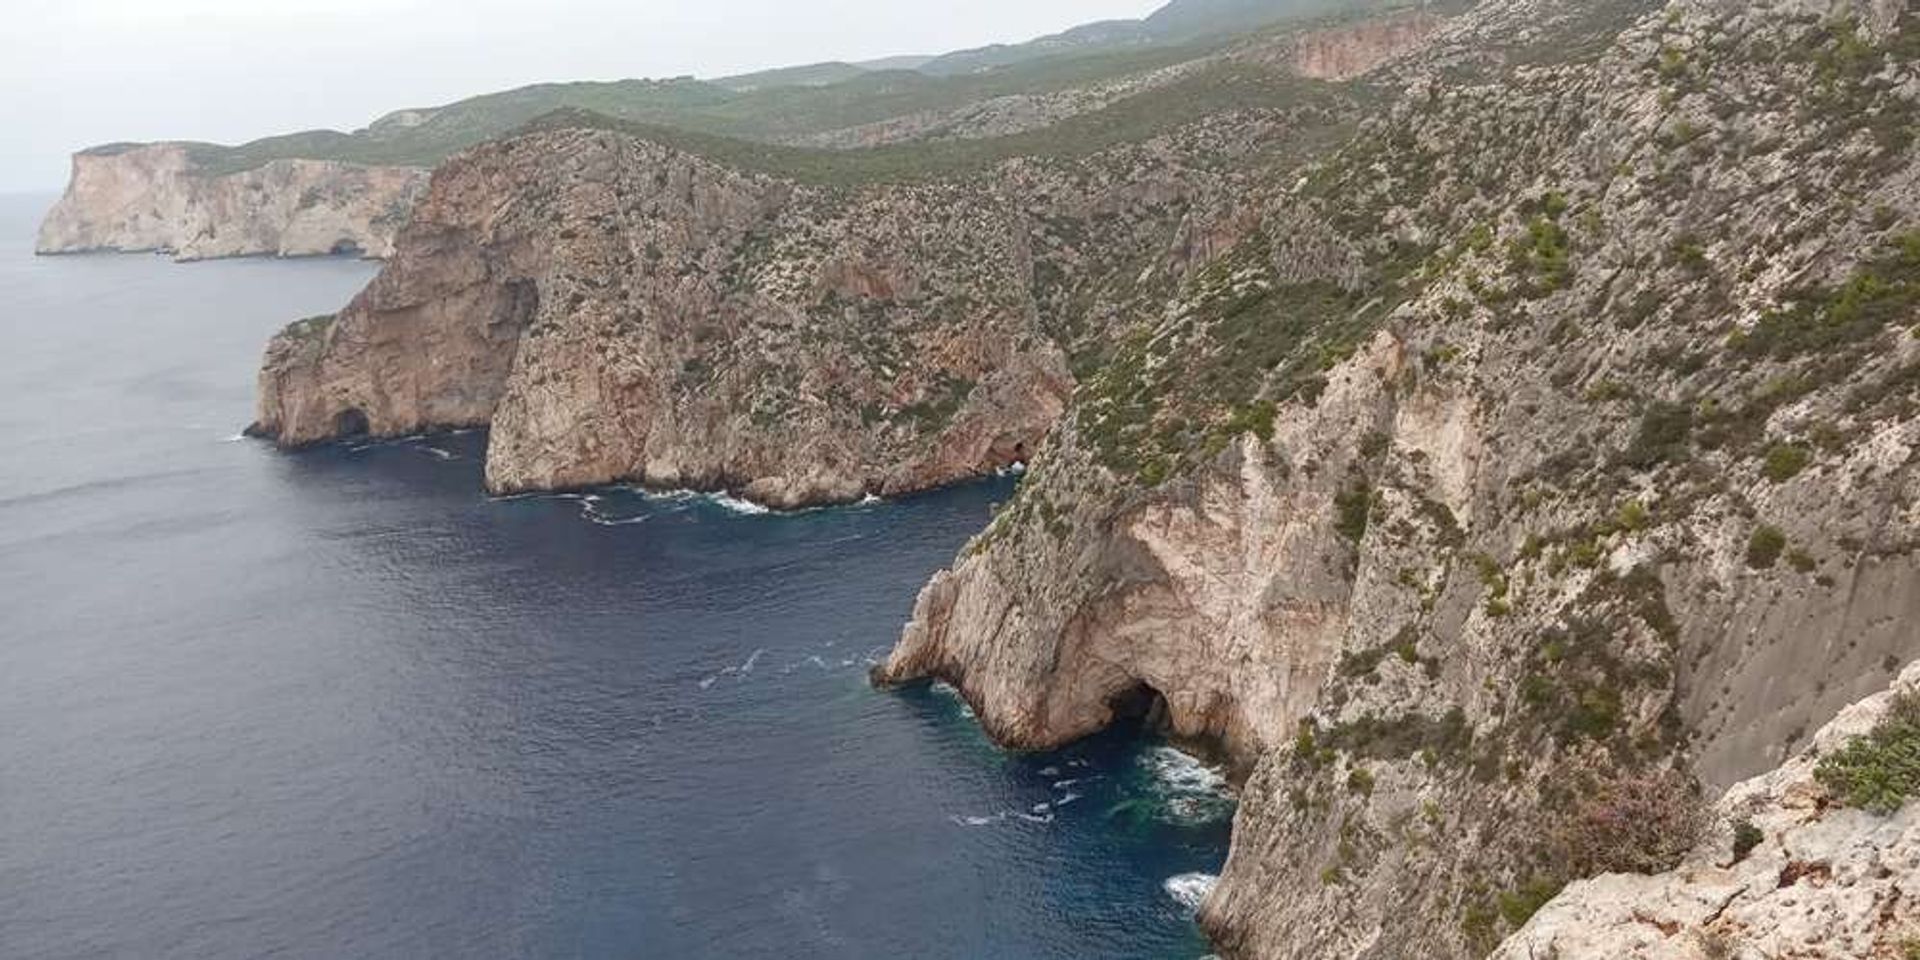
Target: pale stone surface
151, 198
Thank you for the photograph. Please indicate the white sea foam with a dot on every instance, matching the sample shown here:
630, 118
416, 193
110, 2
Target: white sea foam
1049, 771
1190, 791
605, 521
1066, 799
978, 821
948, 690
1190, 889
733, 504
1035, 817
748, 666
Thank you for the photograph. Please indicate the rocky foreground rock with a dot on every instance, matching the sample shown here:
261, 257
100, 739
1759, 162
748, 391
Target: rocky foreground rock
1784, 871
1493, 457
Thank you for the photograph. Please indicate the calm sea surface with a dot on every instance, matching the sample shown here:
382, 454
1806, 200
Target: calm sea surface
342, 705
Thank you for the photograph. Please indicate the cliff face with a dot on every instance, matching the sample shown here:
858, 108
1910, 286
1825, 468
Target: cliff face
1551, 444
153, 198
619, 311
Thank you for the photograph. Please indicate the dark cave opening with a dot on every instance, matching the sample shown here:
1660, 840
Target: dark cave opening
350, 423
347, 248
1141, 710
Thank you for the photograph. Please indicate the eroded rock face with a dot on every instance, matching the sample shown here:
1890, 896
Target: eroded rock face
616, 311
1347, 52
153, 198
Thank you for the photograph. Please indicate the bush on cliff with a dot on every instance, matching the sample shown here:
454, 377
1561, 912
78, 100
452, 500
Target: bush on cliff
1879, 771
1641, 823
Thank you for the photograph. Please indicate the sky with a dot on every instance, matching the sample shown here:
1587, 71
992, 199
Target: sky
74, 73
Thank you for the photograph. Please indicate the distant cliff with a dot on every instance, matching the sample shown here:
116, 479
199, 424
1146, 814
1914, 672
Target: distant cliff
155, 198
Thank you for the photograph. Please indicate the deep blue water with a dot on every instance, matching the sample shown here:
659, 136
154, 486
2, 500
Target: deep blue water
341, 704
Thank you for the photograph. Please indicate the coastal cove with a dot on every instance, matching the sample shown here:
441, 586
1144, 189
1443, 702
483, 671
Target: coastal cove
342, 703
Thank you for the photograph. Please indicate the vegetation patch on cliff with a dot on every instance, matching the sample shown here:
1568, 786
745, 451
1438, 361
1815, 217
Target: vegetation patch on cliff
1880, 771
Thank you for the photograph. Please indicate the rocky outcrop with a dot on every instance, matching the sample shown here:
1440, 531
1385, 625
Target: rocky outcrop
615, 310
1555, 435
1352, 51
769, 323
156, 198
1809, 878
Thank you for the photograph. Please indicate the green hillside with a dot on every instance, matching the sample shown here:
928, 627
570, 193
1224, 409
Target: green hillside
1216, 90
793, 102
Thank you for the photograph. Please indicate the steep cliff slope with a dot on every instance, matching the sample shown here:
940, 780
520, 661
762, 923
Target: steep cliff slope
1545, 452
619, 310
157, 197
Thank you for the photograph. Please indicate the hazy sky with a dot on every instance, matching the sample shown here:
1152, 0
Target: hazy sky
79, 72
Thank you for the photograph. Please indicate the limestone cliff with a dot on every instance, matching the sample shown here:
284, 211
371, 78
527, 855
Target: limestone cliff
616, 310
155, 197
1553, 442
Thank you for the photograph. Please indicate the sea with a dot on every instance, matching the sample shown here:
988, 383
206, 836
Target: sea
342, 704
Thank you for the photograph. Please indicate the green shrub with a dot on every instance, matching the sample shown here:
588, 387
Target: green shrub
1879, 771
1360, 781
1785, 461
1639, 823
1633, 517
1353, 509
312, 328
1518, 906
1765, 547
1666, 430
1746, 837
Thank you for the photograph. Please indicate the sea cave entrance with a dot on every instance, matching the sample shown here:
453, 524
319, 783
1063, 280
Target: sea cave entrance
347, 248
1140, 710
350, 423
